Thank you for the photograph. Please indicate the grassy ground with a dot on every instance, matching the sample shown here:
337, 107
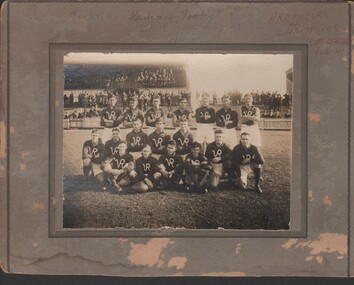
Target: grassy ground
86, 205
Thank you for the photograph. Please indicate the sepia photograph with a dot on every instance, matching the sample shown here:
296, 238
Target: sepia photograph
177, 140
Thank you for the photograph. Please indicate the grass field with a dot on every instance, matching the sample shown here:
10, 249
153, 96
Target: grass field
86, 205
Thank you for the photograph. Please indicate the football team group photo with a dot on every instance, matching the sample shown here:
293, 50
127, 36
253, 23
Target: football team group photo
194, 141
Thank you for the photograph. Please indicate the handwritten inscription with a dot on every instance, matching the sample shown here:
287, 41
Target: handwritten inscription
297, 18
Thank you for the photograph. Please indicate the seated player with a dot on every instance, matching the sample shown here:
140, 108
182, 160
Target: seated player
120, 169
197, 169
181, 113
112, 145
131, 114
183, 139
250, 115
247, 159
136, 139
93, 154
227, 119
154, 113
205, 118
158, 139
170, 167
218, 155
111, 117
146, 168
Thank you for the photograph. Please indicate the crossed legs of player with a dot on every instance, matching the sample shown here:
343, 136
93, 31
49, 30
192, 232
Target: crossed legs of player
219, 171
121, 177
245, 170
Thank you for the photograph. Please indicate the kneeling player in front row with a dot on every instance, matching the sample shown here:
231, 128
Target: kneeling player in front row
170, 167
120, 169
93, 153
146, 168
197, 169
247, 158
218, 155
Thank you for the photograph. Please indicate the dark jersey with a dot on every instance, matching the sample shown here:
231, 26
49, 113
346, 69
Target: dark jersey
226, 118
112, 147
172, 162
119, 162
240, 153
114, 114
181, 115
158, 142
145, 168
251, 111
202, 112
152, 116
136, 141
183, 142
130, 115
214, 151
200, 159
98, 151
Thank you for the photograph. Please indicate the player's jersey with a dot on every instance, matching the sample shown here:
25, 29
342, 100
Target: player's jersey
158, 142
214, 151
172, 162
199, 160
136, 141
119, 162
183, 142
202, 114
98, 151
152, 115
240, 153
112, 147
181, 115
145, 168
130, 115
114, 114
226, 118
251, 111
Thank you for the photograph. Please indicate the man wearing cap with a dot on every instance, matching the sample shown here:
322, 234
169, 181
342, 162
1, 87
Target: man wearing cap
227, 119
111, 117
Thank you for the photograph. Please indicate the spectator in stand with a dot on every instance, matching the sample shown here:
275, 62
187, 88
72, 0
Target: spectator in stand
288, 114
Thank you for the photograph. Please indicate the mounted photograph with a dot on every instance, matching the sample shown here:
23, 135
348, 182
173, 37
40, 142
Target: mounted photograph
177, 140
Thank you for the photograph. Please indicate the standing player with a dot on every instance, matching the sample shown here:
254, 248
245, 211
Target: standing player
250, 115
227, 119
218, 155
136, 139
158, 139
154, 113
93, 154
112, 144
183, 139
170, 167
146, 167
120, 169
205, 118
181, 113
247, 159
197, 169
111, 117
131, 114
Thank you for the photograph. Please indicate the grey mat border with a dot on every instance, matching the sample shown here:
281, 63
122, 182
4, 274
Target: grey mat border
56, 230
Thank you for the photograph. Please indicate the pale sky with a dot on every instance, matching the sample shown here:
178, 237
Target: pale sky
208, 72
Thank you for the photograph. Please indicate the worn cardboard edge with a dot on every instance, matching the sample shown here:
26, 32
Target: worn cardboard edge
350, 142
4, 225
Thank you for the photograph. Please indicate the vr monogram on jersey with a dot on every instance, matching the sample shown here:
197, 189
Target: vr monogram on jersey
158, 142
136, 140
247, 113
170, 162
247, 156
218, 153
93, 151
131, 118
185, 142
226, 118
182, 117
111, 115
114, 150
204, 114
146, 167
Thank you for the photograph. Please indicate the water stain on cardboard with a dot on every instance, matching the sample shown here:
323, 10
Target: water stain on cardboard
238, 249
178, 262
289, 243
22, 166
2, 140
326, 201
311, 196
148, 254
25, 154
314, 117
38, 206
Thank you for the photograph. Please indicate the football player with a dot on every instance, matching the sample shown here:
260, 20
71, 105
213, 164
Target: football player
227, 119
93, 154
197, 169
158, 139
112, 144
181, 113
250, 115
146, 167
183, 139
170, 167
136, 139
205, 118
111, 117
218, 155
247, 159
154, 113
131, 114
